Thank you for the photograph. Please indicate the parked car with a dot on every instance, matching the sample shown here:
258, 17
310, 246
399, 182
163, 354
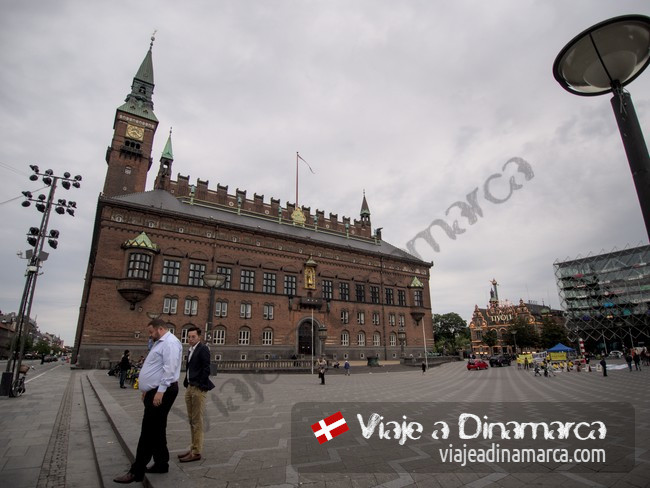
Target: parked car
499, 361
616, 354
476, 364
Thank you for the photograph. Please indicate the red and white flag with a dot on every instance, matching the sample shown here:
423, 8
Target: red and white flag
328, 428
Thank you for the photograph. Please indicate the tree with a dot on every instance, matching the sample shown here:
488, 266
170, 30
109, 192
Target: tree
42, 347
526, 337
490, 339
447, 329
552, 333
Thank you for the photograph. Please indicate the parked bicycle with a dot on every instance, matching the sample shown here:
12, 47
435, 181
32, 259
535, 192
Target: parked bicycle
19, 384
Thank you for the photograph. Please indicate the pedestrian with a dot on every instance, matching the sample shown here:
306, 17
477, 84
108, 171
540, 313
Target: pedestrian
346, 367
628, 360
158, 382
526, 363
537, 370
424, 367
637, 361
197, 383
125, 366
603, 364
322, 367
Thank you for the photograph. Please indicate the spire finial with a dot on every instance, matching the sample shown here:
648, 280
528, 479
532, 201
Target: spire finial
153, 38
170, 131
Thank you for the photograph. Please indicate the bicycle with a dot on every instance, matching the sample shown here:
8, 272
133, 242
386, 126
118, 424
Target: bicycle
19, 384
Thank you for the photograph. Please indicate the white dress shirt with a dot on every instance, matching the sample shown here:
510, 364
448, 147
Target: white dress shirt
162, 367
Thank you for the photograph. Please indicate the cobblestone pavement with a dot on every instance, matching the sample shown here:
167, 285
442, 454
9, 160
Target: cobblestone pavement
249, 416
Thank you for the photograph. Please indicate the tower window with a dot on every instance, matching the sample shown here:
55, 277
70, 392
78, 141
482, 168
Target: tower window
127, 170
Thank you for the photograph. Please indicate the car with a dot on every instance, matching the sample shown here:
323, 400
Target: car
499, 361
476, 364
616, 354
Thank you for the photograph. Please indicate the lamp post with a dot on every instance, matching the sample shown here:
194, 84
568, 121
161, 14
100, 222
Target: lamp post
401, 336
322, 335
514, 339
417, 316
212, 281
603, 59
36, 238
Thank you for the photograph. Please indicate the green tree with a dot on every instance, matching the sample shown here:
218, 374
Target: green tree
490, 339
42, 347
552, 333
447, 329
525, 336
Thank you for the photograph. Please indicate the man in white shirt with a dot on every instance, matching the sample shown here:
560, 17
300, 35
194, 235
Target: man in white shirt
158, 381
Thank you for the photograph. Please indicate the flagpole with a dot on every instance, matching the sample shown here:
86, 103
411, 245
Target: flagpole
297, 156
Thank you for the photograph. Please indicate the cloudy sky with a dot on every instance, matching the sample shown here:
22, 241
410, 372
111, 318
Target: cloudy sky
418, 103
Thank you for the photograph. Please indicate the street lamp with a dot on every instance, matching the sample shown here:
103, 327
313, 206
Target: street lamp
417, 316
603, 59
401, 336
322, 335
212, 281
36, 238
514, 338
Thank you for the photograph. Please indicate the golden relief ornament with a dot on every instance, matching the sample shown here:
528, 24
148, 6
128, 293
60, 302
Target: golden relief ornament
298, 217
310, 278
135, 132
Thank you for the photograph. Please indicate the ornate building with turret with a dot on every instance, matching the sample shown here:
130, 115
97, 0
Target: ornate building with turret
280, 281
500, 316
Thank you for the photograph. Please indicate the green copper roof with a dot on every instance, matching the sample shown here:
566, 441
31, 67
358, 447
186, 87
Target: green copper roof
141, 242
139, 101
167, 152
145, 73
365, 210
416, 283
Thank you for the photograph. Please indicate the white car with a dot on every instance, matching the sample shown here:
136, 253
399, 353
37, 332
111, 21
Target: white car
616, 354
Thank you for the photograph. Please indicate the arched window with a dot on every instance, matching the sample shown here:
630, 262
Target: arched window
393, 339
361, 339
219, 335
376, 339
244, 336
345, 338
267, 337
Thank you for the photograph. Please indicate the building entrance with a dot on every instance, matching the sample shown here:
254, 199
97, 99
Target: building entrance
305, 341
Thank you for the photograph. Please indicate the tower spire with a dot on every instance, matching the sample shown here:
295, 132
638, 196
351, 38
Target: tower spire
139, 101
165, 169
365, 211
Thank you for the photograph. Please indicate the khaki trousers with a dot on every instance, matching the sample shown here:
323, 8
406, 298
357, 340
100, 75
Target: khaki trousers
195, 402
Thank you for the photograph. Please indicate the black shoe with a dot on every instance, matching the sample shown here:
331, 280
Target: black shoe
157, 469
122, 386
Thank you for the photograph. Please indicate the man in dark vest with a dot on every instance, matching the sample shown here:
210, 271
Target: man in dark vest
197, 381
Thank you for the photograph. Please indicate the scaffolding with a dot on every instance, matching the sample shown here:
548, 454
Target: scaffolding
606, 298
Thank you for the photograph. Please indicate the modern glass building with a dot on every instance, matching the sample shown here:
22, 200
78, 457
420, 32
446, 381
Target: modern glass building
607, 298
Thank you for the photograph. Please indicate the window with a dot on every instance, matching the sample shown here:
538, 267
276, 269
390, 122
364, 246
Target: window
417, 298
361, 318
139, 265
268, 311
220, 309
361, 339
361, 293
290, 285
393, 339
227, 272
345, 338
269, 283
267, 337
220, 335
170, 304
344, 291
374, 294
196, 274
247, 280
327, 290
345, 317
171, 270
389, 296
375, 318
127, 170
376, 339
191, 306
391, 319
401, 298
244, 336
245, 310
184, 336
401, 320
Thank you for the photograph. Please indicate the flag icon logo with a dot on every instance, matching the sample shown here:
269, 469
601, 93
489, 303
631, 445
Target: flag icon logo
328, 428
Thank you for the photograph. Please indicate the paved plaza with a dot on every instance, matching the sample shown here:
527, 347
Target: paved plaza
78, 428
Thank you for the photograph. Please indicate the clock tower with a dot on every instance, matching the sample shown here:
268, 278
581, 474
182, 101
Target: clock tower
129, 155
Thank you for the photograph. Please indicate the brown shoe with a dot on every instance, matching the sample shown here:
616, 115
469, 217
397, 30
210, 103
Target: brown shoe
128, 477
190, 458
184, 454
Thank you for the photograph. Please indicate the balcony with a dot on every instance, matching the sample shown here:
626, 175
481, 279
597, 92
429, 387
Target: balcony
134, 290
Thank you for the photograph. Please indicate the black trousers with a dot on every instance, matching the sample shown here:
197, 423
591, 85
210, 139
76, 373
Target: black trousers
153, 435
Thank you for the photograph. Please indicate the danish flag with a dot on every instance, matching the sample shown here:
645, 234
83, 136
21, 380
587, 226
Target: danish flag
328, 428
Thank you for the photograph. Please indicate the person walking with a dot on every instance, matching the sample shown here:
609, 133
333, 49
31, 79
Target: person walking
346, 367
125, 365
628, 360
322, 367
158, 382
197, 383
424, 367
637, 361
603, 364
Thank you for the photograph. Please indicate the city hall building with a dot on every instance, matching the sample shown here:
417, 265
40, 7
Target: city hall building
280, 281
607, 298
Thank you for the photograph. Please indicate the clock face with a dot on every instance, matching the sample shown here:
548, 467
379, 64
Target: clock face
135, 132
